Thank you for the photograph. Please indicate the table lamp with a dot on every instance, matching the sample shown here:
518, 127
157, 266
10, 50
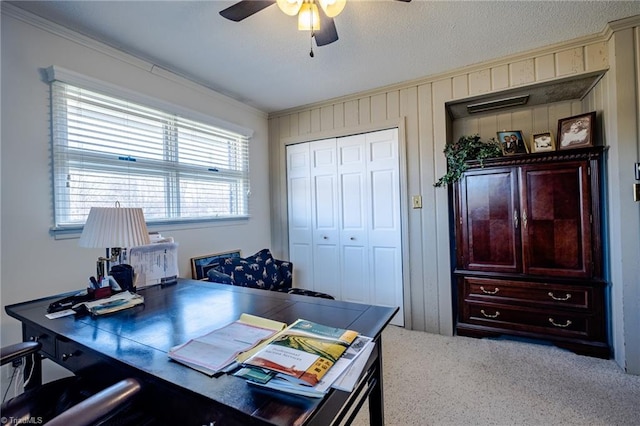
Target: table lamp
113, 228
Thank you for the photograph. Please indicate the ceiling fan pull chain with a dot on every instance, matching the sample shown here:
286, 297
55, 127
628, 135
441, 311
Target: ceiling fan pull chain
311, 44
312, 34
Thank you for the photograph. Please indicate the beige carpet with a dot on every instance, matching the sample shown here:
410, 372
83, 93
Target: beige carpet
438, 380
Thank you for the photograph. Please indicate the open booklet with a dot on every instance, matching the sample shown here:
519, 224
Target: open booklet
306, 358
215, 351
343, 375
304, 351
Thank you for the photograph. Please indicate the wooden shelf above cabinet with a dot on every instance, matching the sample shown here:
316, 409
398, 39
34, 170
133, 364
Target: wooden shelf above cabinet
563, 89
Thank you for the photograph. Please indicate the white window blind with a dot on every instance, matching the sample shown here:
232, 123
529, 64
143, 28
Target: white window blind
107, 149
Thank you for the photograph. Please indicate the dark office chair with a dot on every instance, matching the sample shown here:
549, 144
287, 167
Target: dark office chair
67, 401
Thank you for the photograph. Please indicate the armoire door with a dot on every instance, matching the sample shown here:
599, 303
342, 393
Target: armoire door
490, 220
556, 219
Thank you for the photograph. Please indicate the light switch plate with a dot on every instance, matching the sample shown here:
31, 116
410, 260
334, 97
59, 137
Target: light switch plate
416, 200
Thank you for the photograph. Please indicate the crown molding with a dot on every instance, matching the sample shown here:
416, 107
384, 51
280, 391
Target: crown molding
622, 24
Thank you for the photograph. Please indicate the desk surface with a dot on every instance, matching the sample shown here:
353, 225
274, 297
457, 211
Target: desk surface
136, 342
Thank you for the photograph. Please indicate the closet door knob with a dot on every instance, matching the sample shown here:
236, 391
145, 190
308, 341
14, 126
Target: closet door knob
352, 238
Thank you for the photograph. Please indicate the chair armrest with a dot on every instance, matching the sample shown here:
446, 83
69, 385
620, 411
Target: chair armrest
285, 271
18, 350
98, 406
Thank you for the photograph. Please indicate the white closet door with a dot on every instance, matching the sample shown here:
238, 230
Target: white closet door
325, 222
299, 211
385, 243
353, 202
344, 218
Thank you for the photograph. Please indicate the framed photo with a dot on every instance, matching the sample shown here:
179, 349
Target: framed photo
542, 142
200, 265
576, 131
512, 142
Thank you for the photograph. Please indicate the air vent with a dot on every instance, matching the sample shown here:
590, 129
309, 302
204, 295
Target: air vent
497, 104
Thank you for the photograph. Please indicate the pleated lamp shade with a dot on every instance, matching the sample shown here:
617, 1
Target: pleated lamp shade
110, 227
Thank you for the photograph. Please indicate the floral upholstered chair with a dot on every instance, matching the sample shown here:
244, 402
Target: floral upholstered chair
261, 271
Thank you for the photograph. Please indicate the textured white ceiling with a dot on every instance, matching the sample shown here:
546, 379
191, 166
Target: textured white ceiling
264, 60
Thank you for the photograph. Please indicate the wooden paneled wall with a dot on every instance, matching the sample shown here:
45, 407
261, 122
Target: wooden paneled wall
418, 109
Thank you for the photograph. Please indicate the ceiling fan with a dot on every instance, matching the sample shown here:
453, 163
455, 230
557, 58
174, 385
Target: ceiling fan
327, 32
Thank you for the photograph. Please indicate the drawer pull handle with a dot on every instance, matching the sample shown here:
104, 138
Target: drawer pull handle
566, 324
72, 354
489, 291
567, 297
490, 316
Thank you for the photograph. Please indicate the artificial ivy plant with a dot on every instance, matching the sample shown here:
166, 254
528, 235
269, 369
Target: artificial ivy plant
467, 148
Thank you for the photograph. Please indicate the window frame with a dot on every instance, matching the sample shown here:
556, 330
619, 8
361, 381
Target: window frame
59, 74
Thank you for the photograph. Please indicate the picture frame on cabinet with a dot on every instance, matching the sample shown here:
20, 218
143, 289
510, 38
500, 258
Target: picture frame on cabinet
576, 131
512, 142
542, 142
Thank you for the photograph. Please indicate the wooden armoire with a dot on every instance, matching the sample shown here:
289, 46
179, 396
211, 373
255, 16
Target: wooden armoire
529, 249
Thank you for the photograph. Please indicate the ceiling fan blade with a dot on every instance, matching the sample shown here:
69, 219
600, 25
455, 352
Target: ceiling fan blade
244, 9
327, 33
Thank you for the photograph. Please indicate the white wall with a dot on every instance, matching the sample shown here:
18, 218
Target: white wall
33, 263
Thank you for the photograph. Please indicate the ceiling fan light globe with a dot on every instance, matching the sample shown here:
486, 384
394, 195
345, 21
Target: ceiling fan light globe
332, 8
309, 17
290, 7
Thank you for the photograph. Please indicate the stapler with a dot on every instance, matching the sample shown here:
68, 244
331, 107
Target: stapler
67, 302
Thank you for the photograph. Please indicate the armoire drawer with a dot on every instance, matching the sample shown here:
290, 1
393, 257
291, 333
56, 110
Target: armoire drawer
558, 323
529, 293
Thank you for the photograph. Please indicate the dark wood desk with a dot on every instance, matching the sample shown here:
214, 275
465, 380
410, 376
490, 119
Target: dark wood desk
135, 342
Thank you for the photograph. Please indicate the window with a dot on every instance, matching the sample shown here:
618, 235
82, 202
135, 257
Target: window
107, 149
